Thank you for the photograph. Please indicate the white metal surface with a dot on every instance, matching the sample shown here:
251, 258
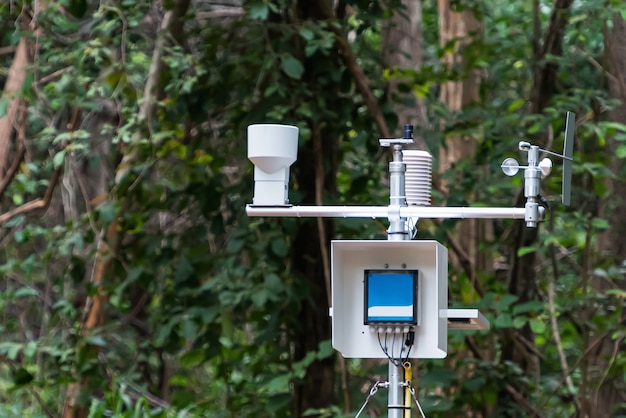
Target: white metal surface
416, 212
349, 260
272, 149
465, 319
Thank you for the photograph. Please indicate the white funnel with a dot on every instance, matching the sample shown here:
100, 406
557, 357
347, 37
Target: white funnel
272, 149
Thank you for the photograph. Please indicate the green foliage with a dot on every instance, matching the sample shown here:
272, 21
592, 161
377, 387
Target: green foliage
203, 302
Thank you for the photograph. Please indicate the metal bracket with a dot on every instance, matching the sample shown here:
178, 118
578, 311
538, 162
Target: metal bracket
465, 319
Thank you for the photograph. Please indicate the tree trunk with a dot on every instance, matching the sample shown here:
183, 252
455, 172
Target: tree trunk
461, 28
12, 92
317, 163
402, 49
171, 28
522, 278
311, 261
610, 390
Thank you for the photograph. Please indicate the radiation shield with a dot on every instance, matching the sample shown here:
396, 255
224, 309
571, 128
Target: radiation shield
351, 259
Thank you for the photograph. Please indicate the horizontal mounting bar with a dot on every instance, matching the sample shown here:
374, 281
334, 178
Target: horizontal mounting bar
466, 319
426, 212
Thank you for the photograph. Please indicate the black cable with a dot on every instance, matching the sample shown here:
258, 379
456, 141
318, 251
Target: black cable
386, 351
410, 341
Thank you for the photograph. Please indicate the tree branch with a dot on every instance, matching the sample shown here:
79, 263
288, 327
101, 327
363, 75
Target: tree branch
39, 203
553, 321
52, 76
519, 398
545, 76
171, 26
5, 50
19, 157
15, 79
350, 61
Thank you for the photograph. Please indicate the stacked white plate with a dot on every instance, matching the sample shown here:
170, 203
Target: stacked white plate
418, 176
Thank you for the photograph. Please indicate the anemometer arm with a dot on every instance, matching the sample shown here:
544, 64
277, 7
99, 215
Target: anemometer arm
414, 212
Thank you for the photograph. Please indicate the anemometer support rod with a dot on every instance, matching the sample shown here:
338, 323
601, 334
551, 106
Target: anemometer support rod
532, 179
415, 212
399, 230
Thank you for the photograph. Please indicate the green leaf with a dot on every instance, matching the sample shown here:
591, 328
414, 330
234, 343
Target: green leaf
537, 326
18, 199
226, 342
504, 302
279, 247
15, 221
107, 212
600, 224
519, 321
278, 384
30, 350
27, 85
325, 350
533, 305
260, 297
516, 104
183, 398
620, 152
535, 128
179, 380
307, 34
474, 384
24, 292
526, 250
504, 321
192, 358
4, 104
258, 11
190, 329
235, 245
273, 281
184, 269
96, 340
292, 67
58, 158
12, 350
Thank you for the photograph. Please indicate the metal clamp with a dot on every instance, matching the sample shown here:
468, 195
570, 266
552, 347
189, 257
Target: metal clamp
372, 392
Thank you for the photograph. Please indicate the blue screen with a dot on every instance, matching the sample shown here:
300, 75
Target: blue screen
390, 296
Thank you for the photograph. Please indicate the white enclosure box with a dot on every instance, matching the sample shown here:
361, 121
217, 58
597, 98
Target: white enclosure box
351, 258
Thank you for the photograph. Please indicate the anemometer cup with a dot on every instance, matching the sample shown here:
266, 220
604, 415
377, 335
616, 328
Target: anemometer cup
272, 149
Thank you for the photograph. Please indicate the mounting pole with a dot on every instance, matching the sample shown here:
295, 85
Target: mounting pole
399, 230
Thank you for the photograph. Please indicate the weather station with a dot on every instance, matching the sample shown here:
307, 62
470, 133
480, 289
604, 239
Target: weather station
390, 297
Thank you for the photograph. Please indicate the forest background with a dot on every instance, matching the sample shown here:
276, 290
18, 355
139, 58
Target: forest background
133, 283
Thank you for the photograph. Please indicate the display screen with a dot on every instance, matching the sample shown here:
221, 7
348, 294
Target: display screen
391, 296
